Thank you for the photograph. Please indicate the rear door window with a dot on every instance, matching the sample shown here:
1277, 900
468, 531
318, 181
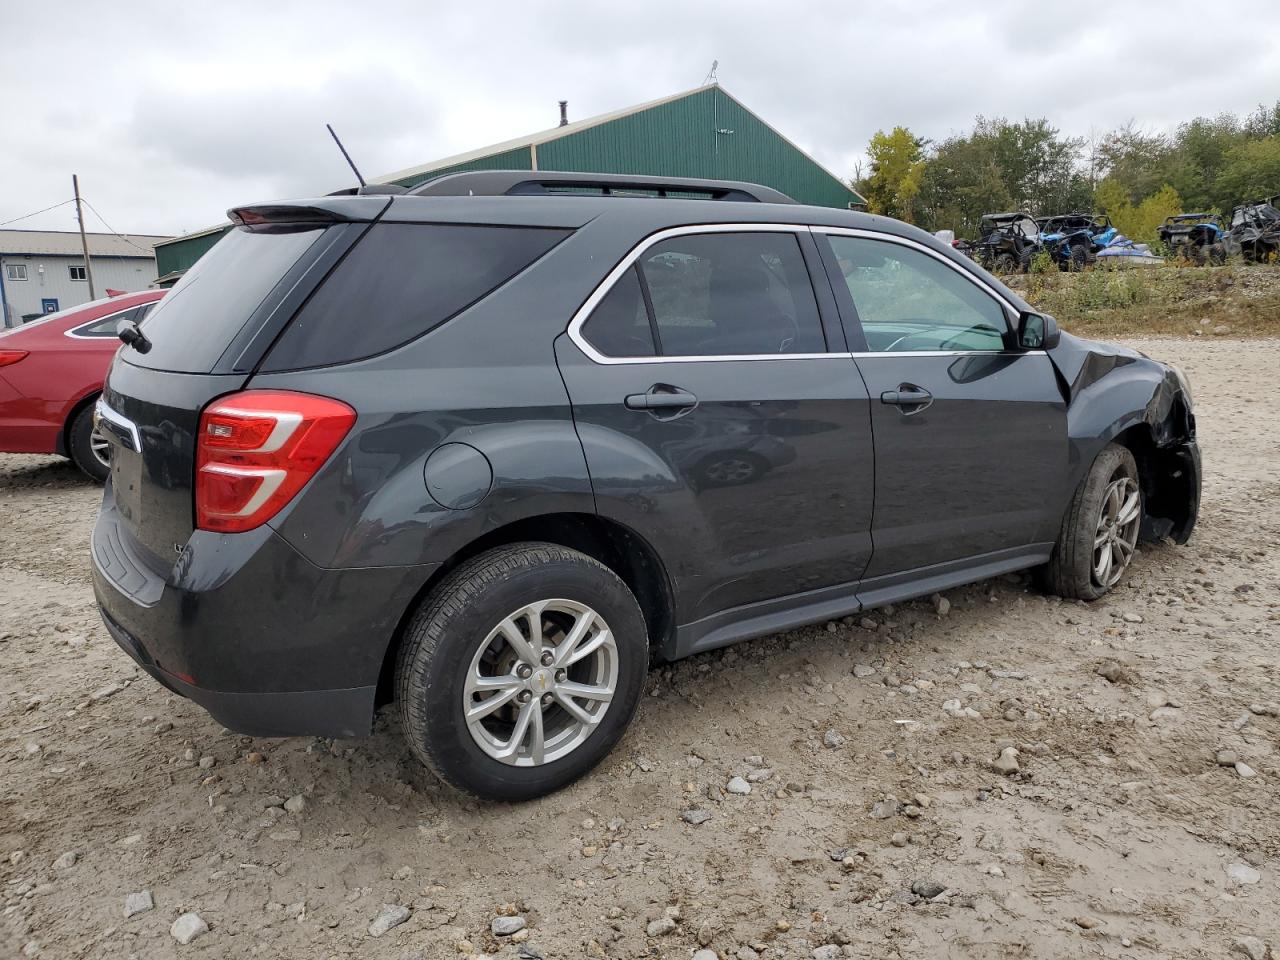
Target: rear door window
619, 326
732, 294
400, 281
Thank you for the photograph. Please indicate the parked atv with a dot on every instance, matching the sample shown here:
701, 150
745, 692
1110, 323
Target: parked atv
1008, 242
1074, 239
1255, 231
1195, 237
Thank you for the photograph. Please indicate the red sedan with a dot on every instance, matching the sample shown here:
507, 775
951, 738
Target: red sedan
51, 371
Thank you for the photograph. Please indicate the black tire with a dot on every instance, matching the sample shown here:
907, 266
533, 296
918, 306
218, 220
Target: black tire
1079, 257
80, 447
450, 627
1069, 572
1217, 254
1005, 263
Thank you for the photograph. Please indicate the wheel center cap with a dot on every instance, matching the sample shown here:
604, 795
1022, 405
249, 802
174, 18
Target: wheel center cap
542, 681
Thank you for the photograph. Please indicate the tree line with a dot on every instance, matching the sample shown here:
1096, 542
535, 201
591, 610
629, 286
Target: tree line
1134, 176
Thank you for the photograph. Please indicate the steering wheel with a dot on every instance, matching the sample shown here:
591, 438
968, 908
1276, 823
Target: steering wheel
948, 343
976, 328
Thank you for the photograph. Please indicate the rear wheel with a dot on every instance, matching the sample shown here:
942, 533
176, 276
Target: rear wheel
521, 671
1006, 263
1079, 257
1099, 533
87, 448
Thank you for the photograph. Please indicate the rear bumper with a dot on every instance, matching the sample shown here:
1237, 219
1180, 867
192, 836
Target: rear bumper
321, 713
267, 642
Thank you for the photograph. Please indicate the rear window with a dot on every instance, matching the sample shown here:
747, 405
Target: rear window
399, 282
196, 322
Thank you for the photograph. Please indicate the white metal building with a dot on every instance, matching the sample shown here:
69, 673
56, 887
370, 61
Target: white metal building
43, 270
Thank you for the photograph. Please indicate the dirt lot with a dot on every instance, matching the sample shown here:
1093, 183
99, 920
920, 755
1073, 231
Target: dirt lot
1122, 835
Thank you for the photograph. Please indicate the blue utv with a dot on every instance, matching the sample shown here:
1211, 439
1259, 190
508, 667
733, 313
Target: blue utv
1073, 240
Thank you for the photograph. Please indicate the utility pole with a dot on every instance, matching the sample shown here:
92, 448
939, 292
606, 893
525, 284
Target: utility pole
84, 242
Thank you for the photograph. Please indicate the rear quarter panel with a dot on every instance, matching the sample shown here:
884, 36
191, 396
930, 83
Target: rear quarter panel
488, 379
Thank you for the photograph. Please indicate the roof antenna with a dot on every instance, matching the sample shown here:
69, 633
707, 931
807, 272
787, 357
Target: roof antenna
350, 162
711, 74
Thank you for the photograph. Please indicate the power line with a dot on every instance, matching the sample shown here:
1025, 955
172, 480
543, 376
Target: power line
28, 216
113, 230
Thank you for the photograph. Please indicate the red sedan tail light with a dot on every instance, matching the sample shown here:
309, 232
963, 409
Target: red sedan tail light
257, 449
8, 357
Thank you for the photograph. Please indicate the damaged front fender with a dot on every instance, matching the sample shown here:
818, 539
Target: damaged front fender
1118, 395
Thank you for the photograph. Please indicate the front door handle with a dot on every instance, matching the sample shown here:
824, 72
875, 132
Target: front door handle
661, 397
908, 397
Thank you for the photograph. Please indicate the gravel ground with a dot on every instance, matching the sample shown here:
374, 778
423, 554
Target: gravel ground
878, 812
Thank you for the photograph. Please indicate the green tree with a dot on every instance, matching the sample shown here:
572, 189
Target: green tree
1250, 170
1134, 161
897, 163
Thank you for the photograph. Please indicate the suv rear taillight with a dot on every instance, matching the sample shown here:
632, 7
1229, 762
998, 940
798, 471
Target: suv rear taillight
11, 356
257, 449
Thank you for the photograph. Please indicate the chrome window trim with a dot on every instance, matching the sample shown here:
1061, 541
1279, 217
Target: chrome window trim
602, 290
636, 252
75, 335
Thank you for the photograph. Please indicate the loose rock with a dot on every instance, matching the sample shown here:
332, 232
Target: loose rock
1251, 947
660, 927
1242, 874
506, 926
1007, 762
66, 861
738, 785
392, 916
886, 808
187, 927
696, 817
928, 889
136, 903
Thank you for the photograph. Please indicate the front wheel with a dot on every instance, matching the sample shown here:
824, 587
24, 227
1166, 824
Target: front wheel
521, 671
1099, 533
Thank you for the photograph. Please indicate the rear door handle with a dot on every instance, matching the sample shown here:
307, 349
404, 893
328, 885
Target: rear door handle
908, 396
661, 399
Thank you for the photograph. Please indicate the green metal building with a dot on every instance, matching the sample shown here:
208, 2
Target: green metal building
704, 132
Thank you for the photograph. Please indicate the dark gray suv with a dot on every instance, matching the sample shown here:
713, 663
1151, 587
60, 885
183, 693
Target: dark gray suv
491, 448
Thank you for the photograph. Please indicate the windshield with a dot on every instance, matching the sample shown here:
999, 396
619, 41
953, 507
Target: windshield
196, 322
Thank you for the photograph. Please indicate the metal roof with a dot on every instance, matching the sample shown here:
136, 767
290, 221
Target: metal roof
577, 126
66, 243
532, 139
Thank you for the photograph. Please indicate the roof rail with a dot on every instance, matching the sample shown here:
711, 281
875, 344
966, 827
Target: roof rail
512, 183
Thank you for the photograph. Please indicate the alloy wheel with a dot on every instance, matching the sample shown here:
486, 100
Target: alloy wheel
541, 682
1116, 537
100, 448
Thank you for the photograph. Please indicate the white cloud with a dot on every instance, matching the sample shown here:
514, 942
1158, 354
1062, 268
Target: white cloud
171, 113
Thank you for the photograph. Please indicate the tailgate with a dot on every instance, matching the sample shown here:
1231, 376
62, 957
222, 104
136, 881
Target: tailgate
150, 419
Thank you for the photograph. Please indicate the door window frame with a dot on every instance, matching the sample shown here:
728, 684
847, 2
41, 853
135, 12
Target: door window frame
849, 312
833, 330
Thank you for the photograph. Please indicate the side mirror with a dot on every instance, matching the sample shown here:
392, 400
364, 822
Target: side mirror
1037, 331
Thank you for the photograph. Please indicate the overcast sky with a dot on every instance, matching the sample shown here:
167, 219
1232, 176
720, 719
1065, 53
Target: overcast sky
171, 112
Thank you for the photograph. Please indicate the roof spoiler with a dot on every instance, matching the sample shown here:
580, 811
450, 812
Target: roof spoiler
514, 183
340, 209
